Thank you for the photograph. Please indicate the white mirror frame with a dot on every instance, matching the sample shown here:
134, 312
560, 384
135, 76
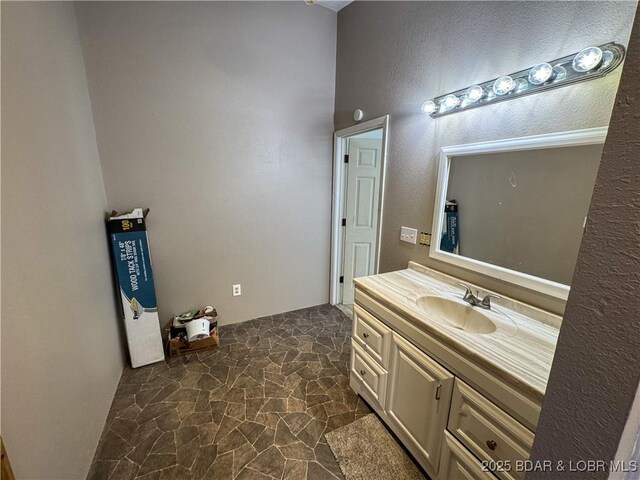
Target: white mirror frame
589, 136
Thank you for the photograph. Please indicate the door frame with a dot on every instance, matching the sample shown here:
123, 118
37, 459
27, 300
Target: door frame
340, 138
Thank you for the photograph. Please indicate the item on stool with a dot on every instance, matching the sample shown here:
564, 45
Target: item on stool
197, 329
188, 336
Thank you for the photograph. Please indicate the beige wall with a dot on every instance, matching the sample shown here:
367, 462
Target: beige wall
61, 353
392, 56
219, 116
525, 210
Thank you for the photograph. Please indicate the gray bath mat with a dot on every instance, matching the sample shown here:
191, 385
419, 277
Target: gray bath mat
365, 450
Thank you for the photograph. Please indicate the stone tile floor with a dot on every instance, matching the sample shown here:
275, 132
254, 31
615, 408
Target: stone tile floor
255, 408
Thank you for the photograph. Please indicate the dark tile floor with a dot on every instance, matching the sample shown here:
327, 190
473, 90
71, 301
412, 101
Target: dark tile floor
255, 408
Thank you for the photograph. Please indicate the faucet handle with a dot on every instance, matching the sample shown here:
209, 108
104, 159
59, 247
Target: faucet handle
469, 292
486, 301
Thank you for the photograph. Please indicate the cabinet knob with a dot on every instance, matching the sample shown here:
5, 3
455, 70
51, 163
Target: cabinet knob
491, 444
362, 372
365, 335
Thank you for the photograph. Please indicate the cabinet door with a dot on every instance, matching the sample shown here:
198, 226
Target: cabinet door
418, 400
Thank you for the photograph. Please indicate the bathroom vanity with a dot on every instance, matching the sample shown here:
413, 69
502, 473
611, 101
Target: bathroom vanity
461, 387
461, 380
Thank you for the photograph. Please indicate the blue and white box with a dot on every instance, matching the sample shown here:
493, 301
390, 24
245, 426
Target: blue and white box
450, 241
134, 275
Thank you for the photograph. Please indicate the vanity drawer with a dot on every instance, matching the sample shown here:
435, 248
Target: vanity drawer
372, 335
457, 463
368, 373
487, 431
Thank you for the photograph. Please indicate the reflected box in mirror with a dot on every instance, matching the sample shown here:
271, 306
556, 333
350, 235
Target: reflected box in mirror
449, 241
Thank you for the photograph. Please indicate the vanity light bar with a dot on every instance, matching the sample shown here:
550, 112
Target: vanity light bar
587, 64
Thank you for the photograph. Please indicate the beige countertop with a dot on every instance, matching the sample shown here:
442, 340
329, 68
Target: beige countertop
521, 353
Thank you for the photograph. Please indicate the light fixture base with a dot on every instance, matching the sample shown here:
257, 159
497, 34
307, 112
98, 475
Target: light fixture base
496, 90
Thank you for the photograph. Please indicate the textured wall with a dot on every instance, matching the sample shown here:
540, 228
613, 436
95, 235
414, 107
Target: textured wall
394, 55
596, 368
218, 117
61, 354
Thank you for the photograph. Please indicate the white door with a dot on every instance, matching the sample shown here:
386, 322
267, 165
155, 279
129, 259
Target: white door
362, 206
418, 400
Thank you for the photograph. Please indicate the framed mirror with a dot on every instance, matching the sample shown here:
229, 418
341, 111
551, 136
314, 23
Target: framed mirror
515, 209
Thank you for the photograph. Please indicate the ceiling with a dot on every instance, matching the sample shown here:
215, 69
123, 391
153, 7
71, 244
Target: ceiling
335, 5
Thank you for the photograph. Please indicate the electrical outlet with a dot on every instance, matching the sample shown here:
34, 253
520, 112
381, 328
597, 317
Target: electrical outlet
425, 238
409, 235
237, 290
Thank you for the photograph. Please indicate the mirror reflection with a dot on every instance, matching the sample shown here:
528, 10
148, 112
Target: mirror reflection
521, 210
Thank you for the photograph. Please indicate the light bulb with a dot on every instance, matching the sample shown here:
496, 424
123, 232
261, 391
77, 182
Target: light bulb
475, 93
607, 58
429, 107
559, 73
587, 59
540, 73
450, 102
521, 85
504, 85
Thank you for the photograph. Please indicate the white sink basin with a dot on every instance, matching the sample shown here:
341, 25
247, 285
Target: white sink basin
454, 313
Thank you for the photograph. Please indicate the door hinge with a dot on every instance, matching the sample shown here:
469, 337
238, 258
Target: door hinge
438, 391
344, 222
346, 158
341, 278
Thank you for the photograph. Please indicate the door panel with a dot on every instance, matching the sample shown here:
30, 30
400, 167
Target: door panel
361, 259
367, 157
364, 203
362, 198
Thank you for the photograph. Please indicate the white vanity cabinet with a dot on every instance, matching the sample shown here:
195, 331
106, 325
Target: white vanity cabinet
454, 431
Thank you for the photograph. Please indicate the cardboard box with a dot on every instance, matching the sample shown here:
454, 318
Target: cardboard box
178, 347
134, 275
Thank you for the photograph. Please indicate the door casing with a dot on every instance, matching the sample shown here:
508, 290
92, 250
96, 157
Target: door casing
338, 198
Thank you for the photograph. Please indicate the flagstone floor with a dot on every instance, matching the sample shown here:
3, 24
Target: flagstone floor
255, 408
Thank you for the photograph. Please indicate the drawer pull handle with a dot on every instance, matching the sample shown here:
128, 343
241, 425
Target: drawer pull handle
438, 391
491, 444
362, 372
365, 335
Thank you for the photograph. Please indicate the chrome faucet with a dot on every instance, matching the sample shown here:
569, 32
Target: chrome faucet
475, 301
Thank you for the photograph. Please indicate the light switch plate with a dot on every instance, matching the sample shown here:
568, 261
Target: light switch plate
409, 235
